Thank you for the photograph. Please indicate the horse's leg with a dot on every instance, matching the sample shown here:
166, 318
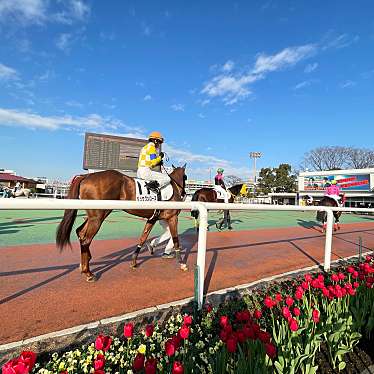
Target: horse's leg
86, 232
173, 226
221, 221
147, 229
229, 220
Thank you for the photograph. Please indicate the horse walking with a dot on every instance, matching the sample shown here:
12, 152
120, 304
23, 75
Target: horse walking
113, 185
322, 216
209, 195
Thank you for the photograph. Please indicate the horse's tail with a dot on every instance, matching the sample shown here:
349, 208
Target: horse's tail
195, 213
66, 225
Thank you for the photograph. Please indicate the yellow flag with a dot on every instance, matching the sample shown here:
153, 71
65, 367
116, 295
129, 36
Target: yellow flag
243, 190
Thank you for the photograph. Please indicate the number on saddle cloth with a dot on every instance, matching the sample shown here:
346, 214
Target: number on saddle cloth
147, 191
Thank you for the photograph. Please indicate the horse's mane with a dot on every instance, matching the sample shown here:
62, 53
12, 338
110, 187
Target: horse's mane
236, 188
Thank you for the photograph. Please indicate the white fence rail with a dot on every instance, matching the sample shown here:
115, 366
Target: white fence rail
203, 208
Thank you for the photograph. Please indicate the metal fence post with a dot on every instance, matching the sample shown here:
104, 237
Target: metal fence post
201, 253
328, 242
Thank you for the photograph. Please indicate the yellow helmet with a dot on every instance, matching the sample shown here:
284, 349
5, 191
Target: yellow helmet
334, 182
156, 135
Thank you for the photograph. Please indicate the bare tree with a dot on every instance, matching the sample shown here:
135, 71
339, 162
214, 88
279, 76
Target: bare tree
232, 180
326, 158
359, 158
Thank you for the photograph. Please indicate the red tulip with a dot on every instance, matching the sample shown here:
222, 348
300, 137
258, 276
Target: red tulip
150, 366
177, 368
128, 330
102, 343
350, 269
208, 308
184, 332
334, 278
355, 284
15, 367
264, 336
292, 323
305, 285
286, 312
289, 300
298, 295
355, 274
315, 316
223, 335
270, 349
269, 302
187, 320
257, 314
149, 330
296, 311
308, 277
341, 276
169, 348
99, 372
231, 344
99, 362
278, 297
241, 336
138, 363
249, 332
224, 320
176, 340
28, 358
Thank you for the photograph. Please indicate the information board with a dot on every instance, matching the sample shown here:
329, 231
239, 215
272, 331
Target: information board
102, 152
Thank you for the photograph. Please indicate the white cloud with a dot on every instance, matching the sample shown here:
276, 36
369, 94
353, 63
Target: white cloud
232, 88
229, 65
302, 85
24, 11
201, 115
28, 12
178, 107
285, 58
7, 73
74, 104
311, 67
147, 98
146, 29
64, 42
347, 84
13, 117
331, 40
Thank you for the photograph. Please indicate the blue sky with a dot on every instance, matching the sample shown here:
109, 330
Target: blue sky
218, 78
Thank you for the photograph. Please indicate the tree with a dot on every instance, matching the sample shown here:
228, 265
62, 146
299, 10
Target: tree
338, 157
280, 179
232, 180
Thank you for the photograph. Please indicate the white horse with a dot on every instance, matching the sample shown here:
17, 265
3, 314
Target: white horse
22, 192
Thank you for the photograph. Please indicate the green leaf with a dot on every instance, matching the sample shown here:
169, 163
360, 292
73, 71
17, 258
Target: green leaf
341, 366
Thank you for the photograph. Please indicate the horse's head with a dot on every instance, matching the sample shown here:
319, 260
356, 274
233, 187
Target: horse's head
178, 175
236, 189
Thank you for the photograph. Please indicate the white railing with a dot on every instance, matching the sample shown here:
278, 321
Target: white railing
202, 208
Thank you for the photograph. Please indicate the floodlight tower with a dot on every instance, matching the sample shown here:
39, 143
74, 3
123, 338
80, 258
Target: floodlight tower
254, 156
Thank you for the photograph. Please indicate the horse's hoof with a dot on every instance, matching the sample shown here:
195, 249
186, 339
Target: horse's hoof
230, 228
150, 248
91, 278
184, 267
133, 265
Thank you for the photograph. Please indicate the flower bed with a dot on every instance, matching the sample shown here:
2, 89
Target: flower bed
282, 329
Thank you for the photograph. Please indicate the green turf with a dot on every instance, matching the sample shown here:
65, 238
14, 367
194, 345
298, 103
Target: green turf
26, 227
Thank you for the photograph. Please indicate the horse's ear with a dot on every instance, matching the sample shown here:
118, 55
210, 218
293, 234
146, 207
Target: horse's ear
184, 166
173, 166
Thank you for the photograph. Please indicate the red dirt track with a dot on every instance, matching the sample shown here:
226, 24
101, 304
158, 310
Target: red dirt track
42, 290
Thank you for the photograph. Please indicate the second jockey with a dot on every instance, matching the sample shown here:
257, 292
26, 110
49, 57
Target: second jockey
333, 191
150, 157
220, 184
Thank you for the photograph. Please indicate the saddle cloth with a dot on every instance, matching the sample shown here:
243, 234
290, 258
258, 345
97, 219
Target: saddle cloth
221, 193
144, 194
336, 198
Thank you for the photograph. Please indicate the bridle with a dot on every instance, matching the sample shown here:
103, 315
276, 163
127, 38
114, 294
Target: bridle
183, 191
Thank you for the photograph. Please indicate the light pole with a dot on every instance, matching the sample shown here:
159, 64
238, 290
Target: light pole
254, 156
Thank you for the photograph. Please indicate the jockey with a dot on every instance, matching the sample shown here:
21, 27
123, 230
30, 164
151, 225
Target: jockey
220, 184
150, 157
333, 191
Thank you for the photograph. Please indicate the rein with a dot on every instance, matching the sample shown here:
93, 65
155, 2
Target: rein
173, 180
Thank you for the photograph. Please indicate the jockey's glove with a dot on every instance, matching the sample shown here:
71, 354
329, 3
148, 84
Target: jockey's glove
162, 154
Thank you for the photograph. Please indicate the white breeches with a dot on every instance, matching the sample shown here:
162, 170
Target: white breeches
150, 175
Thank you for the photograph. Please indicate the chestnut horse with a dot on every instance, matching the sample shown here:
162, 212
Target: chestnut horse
113, 185
209, 195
